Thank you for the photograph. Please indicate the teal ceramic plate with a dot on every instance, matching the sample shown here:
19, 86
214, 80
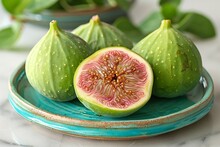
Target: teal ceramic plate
158, 116
71, 20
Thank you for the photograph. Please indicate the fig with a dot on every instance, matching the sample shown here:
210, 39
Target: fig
100, 35
175, 60
114, 82
52, 62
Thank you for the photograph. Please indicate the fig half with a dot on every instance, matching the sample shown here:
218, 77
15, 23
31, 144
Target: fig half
114, 82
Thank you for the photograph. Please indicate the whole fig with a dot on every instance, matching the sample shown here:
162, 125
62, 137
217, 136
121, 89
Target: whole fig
175, 60
100, 35
51, 63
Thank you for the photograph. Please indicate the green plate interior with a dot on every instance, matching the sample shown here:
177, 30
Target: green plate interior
158, 116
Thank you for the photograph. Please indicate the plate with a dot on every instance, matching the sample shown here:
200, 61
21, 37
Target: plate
158, 116
71, 20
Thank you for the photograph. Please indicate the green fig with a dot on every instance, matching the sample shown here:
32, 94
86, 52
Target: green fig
51, 63
100, 35
175, 60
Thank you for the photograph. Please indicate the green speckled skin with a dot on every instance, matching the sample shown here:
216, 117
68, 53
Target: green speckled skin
175, 60
51, 63
101, 35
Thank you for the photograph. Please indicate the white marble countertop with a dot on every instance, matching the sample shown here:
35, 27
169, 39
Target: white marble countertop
16, 131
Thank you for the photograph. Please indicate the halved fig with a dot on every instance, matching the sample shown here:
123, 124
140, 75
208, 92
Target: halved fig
114, 82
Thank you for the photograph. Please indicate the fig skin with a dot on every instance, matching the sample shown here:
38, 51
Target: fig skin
176, 61
52, 62
91, 100
100, 35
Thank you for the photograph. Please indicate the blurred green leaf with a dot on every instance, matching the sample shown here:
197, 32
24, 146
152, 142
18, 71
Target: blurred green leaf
15, 6
151, 23
18, 6
124, 4
9, 35
179, 16
38, 5
56, 6
83, 2
174, 2
169, 11
73, 5
98, 2
126, 26
197, 24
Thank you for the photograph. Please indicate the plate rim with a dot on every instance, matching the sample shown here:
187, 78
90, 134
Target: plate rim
106, 136
19, 100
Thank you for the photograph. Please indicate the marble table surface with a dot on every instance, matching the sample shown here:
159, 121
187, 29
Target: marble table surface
16, 131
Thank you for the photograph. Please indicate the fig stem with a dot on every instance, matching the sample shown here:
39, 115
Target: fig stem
165, 24
95, 19
54, 26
